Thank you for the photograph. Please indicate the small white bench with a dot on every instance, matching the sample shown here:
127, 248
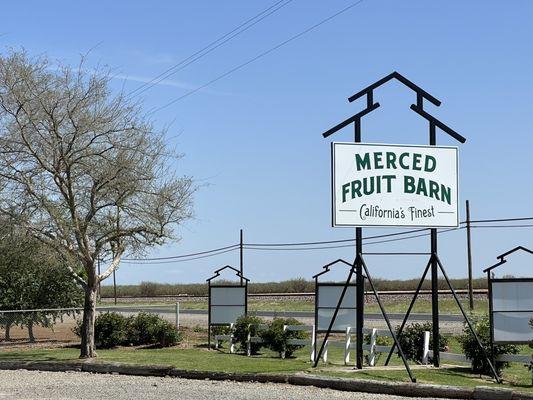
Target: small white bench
226, 338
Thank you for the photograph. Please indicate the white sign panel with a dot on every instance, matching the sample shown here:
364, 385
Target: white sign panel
328, 297
228, 296
227, 304
226, 314
512, 327
512, 307
394, 185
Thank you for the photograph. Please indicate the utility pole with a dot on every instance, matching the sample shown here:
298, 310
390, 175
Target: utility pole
469, 250
241, 247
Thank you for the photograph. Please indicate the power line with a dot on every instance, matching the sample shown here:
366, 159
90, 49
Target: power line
413, 236
211, 47
232, 247
501, 220
335, 241
149, 262
316, 245
504, 226
261, 55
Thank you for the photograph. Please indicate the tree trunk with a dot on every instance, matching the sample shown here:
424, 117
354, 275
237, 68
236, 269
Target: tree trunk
30, 332
87, 330
8, 331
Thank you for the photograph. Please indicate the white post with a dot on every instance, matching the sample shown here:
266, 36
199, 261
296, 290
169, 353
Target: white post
325, 352
373, 339
249, 343
313, 345
284, 353
232, 341
177, 315
347, 346
425, 351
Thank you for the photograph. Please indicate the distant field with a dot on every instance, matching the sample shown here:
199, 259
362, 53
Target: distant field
148, 289
393, 305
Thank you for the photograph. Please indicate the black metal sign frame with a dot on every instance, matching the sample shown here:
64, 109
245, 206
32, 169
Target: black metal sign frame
433, 263
491, 281
244, 284
318, 307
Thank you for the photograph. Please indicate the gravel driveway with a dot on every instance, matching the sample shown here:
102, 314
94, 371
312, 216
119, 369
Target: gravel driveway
25, 385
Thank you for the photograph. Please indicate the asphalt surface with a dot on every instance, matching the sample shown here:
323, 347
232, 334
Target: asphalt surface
34, 385
293, 314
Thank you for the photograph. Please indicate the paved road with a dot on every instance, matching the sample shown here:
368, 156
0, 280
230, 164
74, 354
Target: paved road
294, 314
33, 385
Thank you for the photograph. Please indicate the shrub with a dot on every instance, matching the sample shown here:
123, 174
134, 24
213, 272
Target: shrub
112, 329
140, 328
412, 340
244, 325
220, 330
146, 328
473, 351
165, 334
275, 338
109, 330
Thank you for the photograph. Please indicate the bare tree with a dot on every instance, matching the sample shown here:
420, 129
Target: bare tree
84, 170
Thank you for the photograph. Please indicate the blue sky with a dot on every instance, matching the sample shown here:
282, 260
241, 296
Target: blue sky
253, 139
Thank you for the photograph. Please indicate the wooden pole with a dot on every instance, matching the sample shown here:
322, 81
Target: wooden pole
241, 261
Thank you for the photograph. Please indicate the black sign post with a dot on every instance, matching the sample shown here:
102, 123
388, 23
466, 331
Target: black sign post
241, 306
433, 263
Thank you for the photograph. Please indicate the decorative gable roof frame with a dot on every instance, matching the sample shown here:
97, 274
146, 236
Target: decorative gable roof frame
218, 271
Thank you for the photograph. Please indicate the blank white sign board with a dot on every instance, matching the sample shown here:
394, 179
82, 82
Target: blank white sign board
327, 299
512, 326
227, 304
328, 296
512, 296
228, 296
345, 318
226, 314
512, 309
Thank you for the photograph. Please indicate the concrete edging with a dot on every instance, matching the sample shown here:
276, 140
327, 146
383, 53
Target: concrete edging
352, 385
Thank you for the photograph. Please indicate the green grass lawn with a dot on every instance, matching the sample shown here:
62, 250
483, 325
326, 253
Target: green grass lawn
199, 358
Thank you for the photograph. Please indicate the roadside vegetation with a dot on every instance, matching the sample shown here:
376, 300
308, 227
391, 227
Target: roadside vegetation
300, 285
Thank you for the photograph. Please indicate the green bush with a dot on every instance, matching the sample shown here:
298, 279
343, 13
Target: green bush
140, 328
166, 334
109, 330
275, 338
220, 330
473, 351
150, 329
112, 329
244, 325
412, 340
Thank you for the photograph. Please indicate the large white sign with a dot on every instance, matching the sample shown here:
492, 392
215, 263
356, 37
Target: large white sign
226, 304
512, 309
327, 300
394, 185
